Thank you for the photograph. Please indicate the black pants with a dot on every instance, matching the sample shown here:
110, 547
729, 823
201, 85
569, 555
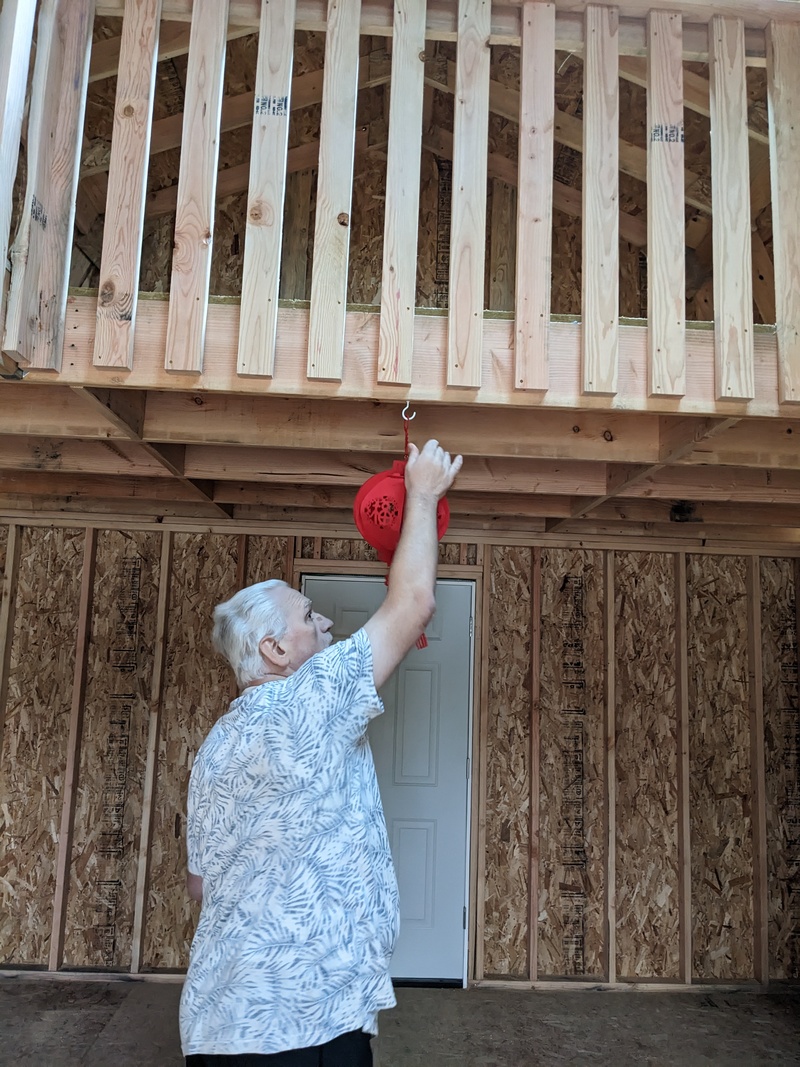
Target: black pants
347, 1050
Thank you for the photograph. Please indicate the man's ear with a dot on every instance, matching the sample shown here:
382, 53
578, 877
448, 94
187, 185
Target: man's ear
274, 655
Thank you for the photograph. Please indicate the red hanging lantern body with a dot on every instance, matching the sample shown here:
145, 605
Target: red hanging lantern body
378, 514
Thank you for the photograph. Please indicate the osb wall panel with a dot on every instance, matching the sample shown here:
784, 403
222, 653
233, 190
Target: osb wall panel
508, 764
719, 756
646, 767
34, 740
108, 808
572, 773
197, 685
782, 759
266, 559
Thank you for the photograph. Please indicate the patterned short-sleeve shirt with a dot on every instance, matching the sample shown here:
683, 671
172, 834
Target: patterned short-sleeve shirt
285, 826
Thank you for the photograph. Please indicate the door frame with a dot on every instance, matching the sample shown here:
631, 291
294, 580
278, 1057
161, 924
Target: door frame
315, 568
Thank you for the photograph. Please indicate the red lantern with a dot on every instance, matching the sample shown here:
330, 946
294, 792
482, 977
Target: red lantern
378, 514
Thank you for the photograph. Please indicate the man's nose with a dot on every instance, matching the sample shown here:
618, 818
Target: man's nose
325, 623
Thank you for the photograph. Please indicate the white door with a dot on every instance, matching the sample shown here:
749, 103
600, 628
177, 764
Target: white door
421, 748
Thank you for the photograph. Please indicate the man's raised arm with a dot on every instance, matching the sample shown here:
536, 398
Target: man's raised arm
410, 601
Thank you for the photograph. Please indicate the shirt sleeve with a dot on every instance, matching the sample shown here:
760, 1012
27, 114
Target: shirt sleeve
343, 679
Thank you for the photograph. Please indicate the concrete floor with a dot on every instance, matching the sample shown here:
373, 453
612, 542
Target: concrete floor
47, 1023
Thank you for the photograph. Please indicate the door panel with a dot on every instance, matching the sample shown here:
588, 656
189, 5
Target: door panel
421, 748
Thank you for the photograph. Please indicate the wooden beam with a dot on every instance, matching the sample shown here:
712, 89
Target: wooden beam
126, 412
16, 35
442, 19
666, 272
127, 185
534, 850
683, 769
34, 324
151, 760
468, 203
194, 219
600, 259
399, 276
8, 603
783, 89
69, 788
327, 317
610, 767
536, 118
354, 426
733, 283
267, 184
757, 774
360, 372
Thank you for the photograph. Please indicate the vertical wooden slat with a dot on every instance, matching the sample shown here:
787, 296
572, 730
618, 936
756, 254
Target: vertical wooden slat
600, 262
197, 182
127, 184
151, 765
16, 34
533, 853
34, 329
468, 209
288, 566
258, 321
610, 769
399, 280
69, 792
758, 773
479, 811
535, 196
730, 194
334, 191
684, 824
666, 270
783, 89
7, 606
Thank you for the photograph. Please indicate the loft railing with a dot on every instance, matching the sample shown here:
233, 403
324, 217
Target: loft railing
189, 342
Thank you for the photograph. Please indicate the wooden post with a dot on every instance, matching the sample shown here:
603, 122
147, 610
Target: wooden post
502, 246
730, 193
480, 754
328, 312
197, 181
34, 328
468, 208
399, 281
757, 773
600, 268
684, 821
666, 270
16, 35
610, 768
127, 185
533, 858
258, 319
71, 774
783, 81
7, 609
151, 765
535, 196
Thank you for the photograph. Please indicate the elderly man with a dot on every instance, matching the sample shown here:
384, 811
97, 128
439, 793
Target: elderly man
286, 837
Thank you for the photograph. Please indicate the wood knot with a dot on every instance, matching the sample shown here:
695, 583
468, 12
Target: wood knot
127, 111
107, 292
343, 218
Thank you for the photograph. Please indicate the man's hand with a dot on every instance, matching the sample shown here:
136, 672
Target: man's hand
430, 472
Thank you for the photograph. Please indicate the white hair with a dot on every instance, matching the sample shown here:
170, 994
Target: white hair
241, 623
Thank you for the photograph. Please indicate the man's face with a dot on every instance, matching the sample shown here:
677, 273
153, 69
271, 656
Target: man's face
307, 632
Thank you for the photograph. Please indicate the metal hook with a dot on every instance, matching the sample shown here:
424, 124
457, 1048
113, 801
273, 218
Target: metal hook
408, 418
